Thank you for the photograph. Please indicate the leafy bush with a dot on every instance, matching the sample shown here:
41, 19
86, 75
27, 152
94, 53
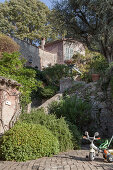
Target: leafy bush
73, 109
98, 64
54, 73
47, 92
76, 135
92, 62
7, 45
58, 127
28, 141
50, 78
11, 66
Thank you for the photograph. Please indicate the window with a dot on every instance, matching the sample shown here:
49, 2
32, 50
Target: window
68, 53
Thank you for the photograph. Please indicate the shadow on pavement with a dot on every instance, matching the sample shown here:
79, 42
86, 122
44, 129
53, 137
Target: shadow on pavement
78, 158
98, 162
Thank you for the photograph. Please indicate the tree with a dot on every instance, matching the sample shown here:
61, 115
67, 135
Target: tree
89, 21
25, 19
7, 45
58, 30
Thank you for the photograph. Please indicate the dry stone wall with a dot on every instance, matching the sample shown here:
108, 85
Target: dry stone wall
101, 102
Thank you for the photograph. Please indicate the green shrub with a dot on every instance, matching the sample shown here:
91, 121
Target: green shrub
11, 66
47, 91
76, 135
50, 77
54, 73
58, 127
98, 64
28, 141
73, 109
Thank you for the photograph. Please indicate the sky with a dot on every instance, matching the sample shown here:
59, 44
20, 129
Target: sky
47, 2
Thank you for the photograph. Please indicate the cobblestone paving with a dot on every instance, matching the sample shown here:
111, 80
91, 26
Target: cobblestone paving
72, 160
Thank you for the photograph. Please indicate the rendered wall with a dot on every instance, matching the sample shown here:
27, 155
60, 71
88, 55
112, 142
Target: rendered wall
9, 103
70, 48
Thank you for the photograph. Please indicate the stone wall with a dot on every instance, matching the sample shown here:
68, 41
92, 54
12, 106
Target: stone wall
9, 103
101, 102
52, 53
30, 53
56, 47
65, 49
35, 56
47, 58
68, 82
45, 105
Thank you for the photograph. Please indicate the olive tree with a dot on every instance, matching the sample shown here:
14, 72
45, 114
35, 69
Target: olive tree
89, 21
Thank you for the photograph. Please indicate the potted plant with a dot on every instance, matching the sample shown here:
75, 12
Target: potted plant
95, 77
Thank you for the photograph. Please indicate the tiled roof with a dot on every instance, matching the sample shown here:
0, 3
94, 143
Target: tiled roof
60, 40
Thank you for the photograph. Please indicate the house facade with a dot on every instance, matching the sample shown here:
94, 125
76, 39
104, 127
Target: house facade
65, 49
49, 54
35, 56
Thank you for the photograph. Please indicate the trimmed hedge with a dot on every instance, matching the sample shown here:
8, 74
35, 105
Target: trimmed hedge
59, 128
28, 141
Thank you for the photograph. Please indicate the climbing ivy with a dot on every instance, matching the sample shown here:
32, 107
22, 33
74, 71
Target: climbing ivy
11, 66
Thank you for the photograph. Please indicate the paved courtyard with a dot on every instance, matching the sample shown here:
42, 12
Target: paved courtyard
72, 160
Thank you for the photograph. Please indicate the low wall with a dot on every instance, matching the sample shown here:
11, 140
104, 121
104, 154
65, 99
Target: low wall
45, 105
68, 82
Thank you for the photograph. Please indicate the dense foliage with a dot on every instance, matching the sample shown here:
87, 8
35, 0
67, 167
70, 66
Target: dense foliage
74, 110
67, 134
26, 20
28, 141
91, 63
47, 92
50, 78
7, 45
98, 65
89, 22
11, 66
54, 73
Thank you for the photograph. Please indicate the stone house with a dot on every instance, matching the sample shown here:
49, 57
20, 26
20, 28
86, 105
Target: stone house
49, 54
35, 56
65, 48
9, 103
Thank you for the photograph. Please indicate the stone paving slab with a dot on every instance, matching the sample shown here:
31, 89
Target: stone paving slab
72, 160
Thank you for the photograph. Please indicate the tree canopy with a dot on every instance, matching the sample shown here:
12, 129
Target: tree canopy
25, 19
89, 21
